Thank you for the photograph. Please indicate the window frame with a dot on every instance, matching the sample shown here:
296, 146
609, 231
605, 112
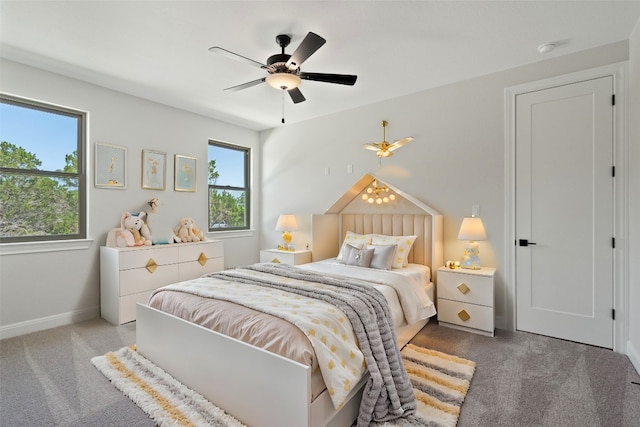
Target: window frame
79, 175
246, 188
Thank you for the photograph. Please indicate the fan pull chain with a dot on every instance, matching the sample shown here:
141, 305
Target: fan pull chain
283, 90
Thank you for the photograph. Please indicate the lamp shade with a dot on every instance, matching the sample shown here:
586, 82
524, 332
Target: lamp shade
284, 81
286, 223
472, 229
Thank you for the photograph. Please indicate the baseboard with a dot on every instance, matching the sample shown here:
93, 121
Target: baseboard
35, 325
501, 322
634, 356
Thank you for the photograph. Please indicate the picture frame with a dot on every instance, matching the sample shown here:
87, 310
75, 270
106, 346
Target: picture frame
110, 166
185, 173
154, 169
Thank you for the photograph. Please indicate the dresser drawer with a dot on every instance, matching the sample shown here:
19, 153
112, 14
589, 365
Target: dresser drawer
194, 269
473, 289
189, 252
138, 258
479, 317
141, 279
128, 306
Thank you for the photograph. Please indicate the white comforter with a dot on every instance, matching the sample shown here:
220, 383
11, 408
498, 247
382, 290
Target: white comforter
403, 288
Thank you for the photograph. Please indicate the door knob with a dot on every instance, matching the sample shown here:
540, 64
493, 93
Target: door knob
525, 242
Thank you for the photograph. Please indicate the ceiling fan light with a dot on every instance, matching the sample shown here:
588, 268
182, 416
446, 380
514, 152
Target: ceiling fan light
283, 81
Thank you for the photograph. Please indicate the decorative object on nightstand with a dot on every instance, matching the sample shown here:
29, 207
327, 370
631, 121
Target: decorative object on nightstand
472, 230
286, 223
465, 299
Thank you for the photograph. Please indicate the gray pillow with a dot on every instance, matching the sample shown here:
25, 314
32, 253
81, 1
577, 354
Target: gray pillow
382, 256
346, 251
361, 258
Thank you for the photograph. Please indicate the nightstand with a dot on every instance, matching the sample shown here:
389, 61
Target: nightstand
465, 299
285, 257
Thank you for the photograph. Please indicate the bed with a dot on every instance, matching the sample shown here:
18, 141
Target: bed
258, 386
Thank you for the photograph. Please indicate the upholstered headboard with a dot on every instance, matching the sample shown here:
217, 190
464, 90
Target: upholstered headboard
428, 248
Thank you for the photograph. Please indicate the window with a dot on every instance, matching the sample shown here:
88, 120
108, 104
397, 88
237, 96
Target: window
229, 190
42, 172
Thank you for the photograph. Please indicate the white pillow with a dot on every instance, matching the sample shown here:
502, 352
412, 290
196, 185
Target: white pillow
382, 256
401, 258
354, 239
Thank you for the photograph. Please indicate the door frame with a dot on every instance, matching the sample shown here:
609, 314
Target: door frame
620, 193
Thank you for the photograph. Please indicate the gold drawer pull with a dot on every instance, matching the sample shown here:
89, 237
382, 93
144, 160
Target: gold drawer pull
151, 265
463, 288
276, 260
202, 259
463, 315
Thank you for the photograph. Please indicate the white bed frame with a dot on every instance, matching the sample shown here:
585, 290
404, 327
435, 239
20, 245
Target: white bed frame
258, 387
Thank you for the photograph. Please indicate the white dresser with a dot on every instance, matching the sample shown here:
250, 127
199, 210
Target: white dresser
129, 275
285, 257
465, 299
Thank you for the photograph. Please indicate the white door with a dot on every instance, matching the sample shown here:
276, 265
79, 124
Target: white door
564, 212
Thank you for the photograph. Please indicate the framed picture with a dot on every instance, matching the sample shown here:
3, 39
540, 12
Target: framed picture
111, 166
154, 169
185, 173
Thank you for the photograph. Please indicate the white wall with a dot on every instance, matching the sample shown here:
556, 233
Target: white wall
456, 160
45, 289
633, 346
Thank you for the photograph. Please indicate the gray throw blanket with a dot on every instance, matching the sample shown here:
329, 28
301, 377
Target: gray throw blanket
388, 393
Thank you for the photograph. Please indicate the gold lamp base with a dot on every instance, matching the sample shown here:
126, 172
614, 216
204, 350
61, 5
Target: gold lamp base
286, 245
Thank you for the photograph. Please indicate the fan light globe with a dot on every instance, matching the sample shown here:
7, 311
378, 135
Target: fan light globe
284, 81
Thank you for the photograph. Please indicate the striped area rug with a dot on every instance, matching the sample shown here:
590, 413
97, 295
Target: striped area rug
440, 382
167, 402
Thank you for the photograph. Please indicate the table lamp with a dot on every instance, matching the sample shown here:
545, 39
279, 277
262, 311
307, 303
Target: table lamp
472, 230
286, 224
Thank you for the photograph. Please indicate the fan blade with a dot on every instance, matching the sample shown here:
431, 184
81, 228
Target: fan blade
246, 85
341, 79
237, 57
309, 45
373, 147
296, 95
399, 143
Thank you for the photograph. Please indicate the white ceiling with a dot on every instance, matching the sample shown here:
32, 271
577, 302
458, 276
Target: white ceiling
159, 49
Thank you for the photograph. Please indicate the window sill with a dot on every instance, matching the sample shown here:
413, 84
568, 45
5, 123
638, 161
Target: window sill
47, 246
228, 234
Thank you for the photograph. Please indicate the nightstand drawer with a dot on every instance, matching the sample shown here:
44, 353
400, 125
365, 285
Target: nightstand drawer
285, 257
463, 314
473, 289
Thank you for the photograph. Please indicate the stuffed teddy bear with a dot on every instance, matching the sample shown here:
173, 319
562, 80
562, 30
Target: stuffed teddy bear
187, 232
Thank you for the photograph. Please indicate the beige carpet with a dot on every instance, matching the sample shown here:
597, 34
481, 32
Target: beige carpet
440, 382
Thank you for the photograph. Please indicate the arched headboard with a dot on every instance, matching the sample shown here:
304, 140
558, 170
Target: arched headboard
428, 248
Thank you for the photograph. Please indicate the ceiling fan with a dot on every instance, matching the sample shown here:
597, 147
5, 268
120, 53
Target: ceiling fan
284, 70
384, 148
